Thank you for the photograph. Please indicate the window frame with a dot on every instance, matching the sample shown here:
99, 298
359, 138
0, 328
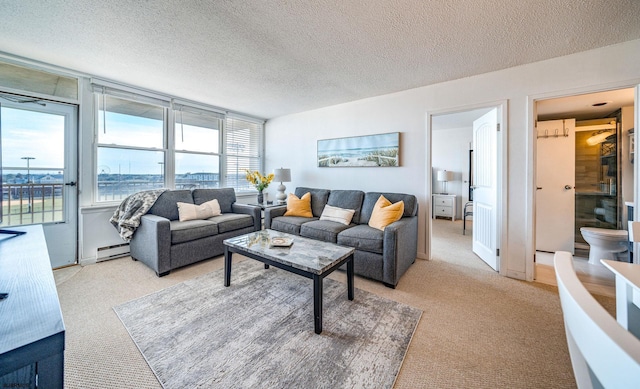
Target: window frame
180, 107
171, 107
97, 99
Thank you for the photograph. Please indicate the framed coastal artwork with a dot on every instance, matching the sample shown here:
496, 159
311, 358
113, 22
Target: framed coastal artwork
360, 151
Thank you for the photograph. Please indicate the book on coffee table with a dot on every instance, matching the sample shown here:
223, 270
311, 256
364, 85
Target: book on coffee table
280, 242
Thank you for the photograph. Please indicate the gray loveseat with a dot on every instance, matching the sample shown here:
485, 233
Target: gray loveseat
381, 255
164, 243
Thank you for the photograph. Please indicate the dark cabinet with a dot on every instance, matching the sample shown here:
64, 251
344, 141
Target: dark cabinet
31, 326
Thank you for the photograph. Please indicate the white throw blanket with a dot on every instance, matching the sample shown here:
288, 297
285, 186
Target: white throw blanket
127, 217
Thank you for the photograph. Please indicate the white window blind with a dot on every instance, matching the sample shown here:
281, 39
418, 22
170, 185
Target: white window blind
132, 94
39, 81
244, 143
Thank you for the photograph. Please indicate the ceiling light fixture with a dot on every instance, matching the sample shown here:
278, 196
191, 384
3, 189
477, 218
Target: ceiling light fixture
598, 137
603, 132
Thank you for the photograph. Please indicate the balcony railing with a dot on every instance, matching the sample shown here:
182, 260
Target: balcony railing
44, 203
32, 203
119, 190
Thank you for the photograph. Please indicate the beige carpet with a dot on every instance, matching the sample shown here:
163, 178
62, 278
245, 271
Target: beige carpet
264, 320
478, 329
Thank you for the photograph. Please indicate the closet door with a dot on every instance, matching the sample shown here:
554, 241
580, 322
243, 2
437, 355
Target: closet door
555, 181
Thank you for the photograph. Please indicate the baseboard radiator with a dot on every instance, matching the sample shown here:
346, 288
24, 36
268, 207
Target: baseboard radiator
111, 252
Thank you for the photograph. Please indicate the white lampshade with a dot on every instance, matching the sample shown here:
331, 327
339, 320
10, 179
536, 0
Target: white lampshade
282, 175
445, 175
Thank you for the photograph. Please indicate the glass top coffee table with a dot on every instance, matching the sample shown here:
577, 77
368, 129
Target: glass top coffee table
306, 257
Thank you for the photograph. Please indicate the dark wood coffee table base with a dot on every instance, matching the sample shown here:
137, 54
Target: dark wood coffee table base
317, 278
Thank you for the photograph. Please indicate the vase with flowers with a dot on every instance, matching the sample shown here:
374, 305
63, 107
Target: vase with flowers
259, 181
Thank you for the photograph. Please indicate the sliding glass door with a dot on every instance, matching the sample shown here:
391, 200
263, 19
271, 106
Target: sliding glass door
39, 159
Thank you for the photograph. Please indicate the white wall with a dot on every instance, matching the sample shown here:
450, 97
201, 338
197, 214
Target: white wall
628, 120
450, 151
291, 140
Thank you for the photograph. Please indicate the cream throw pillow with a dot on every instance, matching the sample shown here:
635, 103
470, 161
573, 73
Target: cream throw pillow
299, 206
385, 213
206, 210
336, 214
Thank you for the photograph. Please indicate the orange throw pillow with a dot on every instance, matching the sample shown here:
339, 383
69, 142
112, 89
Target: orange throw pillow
385, 213
299, 206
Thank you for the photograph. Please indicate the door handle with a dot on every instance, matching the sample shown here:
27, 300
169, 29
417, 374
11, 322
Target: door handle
72, 183
538, 188
568, 187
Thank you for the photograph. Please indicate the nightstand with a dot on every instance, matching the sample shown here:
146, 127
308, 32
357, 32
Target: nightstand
444, 205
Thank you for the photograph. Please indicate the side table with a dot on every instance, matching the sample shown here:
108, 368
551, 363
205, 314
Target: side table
264, 206
444, 205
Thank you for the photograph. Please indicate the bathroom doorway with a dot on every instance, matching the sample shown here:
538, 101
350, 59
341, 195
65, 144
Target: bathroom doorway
584, 168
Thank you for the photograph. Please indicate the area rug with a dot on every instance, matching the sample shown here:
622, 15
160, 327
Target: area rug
259, 333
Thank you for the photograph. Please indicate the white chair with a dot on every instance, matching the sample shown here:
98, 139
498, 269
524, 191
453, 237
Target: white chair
603, 353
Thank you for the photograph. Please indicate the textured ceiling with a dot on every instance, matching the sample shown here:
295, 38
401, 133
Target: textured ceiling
269, 58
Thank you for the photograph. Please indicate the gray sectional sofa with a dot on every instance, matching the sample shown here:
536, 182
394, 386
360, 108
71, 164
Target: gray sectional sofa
164, 243
380, 255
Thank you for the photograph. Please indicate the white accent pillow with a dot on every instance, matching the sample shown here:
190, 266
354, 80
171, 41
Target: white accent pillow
206, 210
336, 214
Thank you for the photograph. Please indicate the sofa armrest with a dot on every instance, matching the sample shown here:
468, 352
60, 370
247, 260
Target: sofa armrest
272, 213
252, 210
400, 248
151, 243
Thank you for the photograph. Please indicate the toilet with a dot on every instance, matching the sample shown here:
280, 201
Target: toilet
604, 243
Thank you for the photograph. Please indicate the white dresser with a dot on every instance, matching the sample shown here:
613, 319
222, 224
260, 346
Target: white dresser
444, 205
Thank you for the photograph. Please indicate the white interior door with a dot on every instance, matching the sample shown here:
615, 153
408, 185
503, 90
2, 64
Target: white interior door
555, 184
485, 192
39, 159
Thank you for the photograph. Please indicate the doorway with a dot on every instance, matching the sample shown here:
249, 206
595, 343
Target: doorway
452, 135
591, 178
39, 160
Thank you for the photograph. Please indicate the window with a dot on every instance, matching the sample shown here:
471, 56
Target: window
130, 153
141, 144
244, 141
197, 145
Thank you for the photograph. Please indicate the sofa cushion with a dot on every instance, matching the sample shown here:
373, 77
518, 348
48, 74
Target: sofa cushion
338, 215
290, 224
231, 222
191, 230
299, 206
167, 204
385, 213
324, 230
225, 197
347, 199
319, 198
370, 199
362, 237
203, 211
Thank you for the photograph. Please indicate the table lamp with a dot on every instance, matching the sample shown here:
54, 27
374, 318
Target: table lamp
444, 176
281, 175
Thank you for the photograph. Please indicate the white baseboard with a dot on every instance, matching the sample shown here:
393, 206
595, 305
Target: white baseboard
87, 261
519, 275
